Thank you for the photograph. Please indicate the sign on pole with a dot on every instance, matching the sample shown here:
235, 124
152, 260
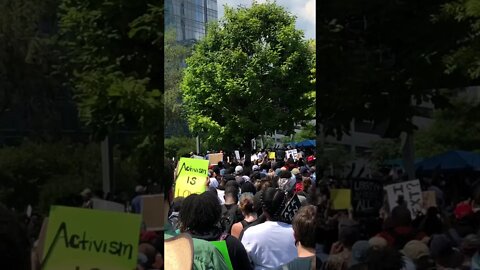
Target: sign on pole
410, 191
81, 239
192, 177
237, 154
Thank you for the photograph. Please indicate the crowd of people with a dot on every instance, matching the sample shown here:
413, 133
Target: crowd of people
244, 205
244, 202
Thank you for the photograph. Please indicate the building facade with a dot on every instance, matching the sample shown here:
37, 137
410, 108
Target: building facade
190, 17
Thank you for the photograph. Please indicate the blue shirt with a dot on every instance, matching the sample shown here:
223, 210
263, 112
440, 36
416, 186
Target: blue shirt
137, 204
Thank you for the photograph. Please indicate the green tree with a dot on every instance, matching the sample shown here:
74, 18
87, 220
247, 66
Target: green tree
453, 128
381, 59
464, 57
27, 87
384, 150
112, 59
248, 76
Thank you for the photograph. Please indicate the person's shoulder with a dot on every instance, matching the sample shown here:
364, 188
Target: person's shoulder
300, 263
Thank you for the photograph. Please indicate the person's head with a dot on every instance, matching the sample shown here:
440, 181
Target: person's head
86, 194
273, 201
238, 170
248, 187
444, 252
384, 259
231, 195
246, 204
348, 233
307, 183
14, 242
200, 213
150, 253
304, 226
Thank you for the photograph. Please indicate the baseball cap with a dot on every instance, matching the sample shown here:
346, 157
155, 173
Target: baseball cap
255, 167
415, 250
462, 210
295, 171
238, 169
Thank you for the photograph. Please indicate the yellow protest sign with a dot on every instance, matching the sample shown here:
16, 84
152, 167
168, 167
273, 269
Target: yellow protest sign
81, 239
192, 177
341, 199
271, 155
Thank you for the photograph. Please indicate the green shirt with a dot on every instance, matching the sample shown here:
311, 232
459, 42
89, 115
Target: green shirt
205, 255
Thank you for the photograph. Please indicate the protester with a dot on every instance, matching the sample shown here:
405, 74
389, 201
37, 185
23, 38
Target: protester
304, 227
270, 244
14, 243
206, 256
137, 200
200, 217
248, 211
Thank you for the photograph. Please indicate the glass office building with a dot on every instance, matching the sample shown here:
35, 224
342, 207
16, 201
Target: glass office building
190, 17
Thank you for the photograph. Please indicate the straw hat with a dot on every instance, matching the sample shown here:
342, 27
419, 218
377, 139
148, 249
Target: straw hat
179, 252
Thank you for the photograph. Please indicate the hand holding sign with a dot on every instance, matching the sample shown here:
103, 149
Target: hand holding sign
191, 177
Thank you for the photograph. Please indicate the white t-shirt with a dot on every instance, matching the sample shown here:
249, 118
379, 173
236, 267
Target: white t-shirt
270, 244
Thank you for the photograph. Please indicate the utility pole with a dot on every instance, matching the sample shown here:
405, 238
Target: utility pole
107, 165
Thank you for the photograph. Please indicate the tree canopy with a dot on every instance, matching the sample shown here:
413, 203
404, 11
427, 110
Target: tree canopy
248, 76
379, 60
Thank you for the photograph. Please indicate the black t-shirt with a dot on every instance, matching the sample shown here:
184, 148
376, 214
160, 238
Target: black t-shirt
238, 254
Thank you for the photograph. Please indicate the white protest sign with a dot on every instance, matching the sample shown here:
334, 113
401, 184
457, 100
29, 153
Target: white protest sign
411, 192
291, 153
237, 154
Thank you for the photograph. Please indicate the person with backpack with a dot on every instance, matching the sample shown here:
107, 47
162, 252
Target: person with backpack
200, 217
230, 212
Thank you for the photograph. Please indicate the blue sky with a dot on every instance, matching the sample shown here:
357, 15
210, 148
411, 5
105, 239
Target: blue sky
304, 10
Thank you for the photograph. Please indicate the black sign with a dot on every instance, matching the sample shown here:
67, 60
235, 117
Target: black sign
291, 209
367, 197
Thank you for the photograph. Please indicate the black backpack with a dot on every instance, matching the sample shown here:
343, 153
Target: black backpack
228, 218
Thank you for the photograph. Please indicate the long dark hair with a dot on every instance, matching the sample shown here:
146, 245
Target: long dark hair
273, 202
200, 213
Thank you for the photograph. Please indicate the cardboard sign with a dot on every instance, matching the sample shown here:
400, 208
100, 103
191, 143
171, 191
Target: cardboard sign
215, 158
254, 157
411, 192
152, 211
81, 239
107, 205
192, 177
222, 248
429, 199
367, 197
291, 209
271, 155
291, 154
237, 154
341, 199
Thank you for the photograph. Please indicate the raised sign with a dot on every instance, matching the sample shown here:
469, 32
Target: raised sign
367, 197
86, 239
291, 209
192, 177
410, 191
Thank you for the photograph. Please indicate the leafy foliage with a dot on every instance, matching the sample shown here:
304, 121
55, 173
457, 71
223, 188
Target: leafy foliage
384, 150
464, 57
26, 55
248, 76
379, 60
178, 146
112, 58
454, 128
